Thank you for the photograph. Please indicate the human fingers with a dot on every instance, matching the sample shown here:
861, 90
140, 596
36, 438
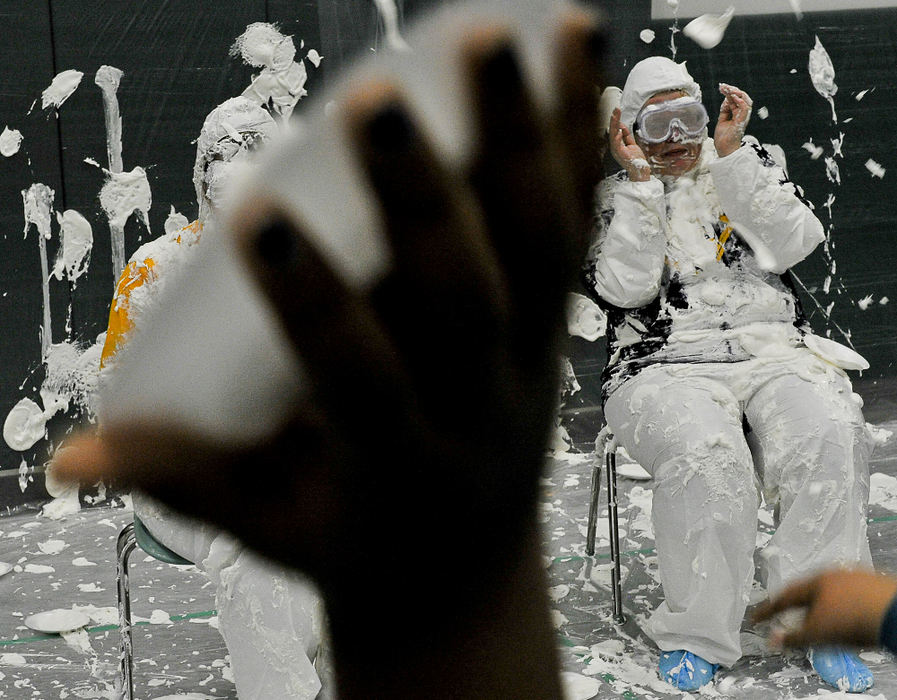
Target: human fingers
141, 454
616, 139
615, 117
525, 185
726, 109
799, 594
741, 109
726, 90
581, 46
443, 263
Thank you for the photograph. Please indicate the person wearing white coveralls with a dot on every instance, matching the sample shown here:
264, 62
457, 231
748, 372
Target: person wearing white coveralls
271, 617
715, 383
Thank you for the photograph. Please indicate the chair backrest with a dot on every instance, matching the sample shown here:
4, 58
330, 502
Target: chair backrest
153, 547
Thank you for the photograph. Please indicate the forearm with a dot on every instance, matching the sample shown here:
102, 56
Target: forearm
497, 644
629, 261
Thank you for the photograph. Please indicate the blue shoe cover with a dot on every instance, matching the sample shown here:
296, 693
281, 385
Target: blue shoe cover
840, 669
684, 670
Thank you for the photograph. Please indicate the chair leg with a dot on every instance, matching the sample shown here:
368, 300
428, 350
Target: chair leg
614, 528
593, 507
126, 543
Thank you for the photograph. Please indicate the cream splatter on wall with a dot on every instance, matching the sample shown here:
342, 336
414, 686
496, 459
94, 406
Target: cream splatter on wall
71, 366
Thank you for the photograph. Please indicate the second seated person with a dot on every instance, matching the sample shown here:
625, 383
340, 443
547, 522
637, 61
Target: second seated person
715, 382
271, 617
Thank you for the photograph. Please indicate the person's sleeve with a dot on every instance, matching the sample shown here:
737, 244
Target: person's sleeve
120, 322
628, 256
766, 208
887, 636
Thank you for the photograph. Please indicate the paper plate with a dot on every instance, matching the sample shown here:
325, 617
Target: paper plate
55, 621
5, 568
633, 471
835, 353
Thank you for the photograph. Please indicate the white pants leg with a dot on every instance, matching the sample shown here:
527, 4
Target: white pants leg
271, 619
687, 432
812, 449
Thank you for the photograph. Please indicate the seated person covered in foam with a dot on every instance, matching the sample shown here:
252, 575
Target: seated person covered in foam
715, 382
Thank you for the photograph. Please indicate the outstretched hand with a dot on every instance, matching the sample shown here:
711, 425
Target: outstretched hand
419, 448
734, 115
842, 607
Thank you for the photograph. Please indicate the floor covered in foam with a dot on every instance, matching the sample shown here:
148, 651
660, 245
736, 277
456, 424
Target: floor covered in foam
69, 563
609, 660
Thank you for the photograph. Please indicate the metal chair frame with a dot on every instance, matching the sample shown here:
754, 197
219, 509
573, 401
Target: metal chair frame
610, 465
131, 536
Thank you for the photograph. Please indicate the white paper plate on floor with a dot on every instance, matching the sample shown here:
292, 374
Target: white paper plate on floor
633, 471
5, 568
56, 621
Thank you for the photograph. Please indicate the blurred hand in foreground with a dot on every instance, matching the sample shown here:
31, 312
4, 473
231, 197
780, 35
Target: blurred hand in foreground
842, 607
406, 483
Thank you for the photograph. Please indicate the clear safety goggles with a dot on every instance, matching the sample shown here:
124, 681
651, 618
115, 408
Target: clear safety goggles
656, 123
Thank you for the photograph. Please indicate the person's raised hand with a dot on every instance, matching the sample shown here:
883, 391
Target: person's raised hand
626, 151
842, 607
734, 115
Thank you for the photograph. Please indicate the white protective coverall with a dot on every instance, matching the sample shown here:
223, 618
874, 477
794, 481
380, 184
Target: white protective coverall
271, 618
716, 385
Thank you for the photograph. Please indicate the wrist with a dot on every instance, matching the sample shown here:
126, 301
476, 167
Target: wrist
727, 148
449, 642
639, 171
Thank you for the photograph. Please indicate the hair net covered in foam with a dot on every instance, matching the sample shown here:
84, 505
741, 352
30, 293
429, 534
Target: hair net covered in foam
649, 77
233, 117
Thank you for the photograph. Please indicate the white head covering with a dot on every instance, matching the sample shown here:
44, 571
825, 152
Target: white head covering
649, 77
235, 118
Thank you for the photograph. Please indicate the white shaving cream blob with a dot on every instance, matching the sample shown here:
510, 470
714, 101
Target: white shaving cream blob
314, 57
584, 318
62, 87
646, 35
282, 80
24, 425
875, 168
579, 687
390, 16
123, 194
77, 241
175, 221
707, 31
822, 73
10, 142
835, 353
